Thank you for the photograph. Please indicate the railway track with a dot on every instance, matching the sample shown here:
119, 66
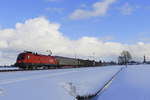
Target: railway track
16, 70
10, 70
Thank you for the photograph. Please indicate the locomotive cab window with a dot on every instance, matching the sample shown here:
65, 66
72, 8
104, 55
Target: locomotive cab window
20, 57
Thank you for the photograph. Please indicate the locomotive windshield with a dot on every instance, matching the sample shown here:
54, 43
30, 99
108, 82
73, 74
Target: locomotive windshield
20, 57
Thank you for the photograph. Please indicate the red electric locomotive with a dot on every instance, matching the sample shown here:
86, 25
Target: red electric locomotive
29, 60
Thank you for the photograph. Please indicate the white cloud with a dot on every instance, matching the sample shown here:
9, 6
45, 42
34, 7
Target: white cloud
54, 10
39, 35
145, 39
126, 9
98, 9
83, 6
3, 44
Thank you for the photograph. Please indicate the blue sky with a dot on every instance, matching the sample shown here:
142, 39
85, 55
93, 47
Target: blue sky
125, 28
75, 27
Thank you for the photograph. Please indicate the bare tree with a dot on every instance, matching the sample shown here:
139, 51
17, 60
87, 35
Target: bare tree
124, 58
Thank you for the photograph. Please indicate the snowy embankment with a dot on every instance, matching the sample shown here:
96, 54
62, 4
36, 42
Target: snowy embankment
62, 84
132, 83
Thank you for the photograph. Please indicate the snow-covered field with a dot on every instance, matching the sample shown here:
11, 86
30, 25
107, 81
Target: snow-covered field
132, 83
62, 84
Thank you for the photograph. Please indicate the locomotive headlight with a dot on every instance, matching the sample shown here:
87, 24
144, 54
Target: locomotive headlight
28, 57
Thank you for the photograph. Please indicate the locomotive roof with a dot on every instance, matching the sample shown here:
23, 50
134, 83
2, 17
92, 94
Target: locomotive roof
28, 52
34, 53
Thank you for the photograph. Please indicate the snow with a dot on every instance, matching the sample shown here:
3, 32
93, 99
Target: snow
8, 68
1, 91
61, 84
132, 83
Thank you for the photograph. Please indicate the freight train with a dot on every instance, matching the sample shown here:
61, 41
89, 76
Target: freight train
30, 60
